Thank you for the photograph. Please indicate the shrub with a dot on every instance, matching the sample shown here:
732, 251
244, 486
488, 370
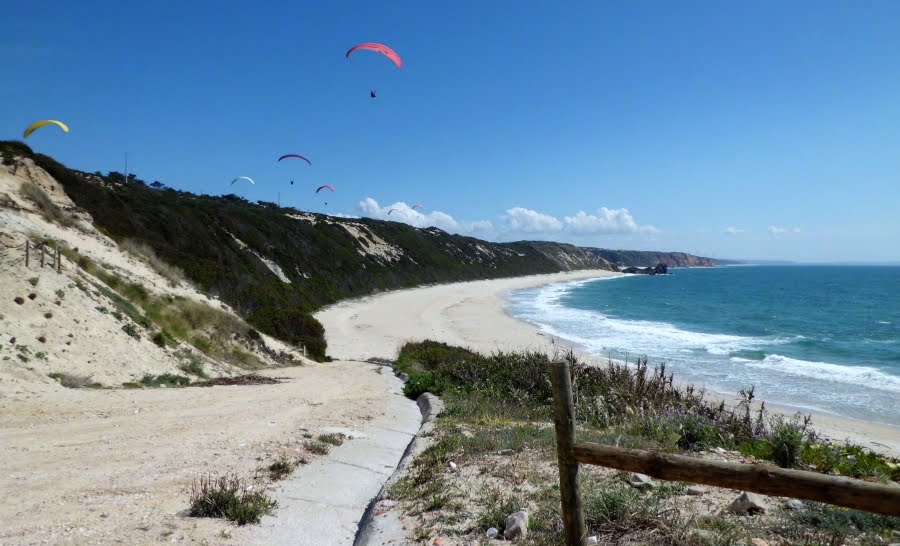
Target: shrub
160, 339
166, 379
421, 382
131, 330
230, 498
333, 439
787, 442
281, 468
697, 433
191, 364
319, 448
33, 281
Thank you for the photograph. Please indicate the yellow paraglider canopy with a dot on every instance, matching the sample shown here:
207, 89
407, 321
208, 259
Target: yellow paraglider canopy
38, 124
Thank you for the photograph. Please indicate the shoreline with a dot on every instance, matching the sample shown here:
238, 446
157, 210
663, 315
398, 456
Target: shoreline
474, 314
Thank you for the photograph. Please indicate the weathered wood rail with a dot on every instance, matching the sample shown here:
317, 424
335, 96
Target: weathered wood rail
757, 478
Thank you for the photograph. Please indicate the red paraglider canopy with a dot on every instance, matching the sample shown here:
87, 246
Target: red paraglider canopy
285, 156
323, 187
379, 48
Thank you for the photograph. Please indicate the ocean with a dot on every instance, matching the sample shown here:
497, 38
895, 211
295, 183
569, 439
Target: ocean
821, 338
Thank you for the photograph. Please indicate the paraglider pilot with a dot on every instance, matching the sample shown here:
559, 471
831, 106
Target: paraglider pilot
372, 94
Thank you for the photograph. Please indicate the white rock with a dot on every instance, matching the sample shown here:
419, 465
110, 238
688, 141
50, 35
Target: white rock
452, 466
640, 481
516, 525
592, 541
795, 504
492, 532
748, 503
696, 491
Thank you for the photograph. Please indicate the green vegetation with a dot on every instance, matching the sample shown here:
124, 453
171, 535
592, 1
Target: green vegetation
317, 447
333, 439
131, 330
164, 380
228, 497
191, 363
325, 262
281, 468
72, 381
33, 281
498, 419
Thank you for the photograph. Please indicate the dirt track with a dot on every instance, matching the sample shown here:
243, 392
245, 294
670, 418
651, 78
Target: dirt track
115, 466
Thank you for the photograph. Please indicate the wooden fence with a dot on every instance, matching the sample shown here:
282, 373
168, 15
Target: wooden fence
757, 478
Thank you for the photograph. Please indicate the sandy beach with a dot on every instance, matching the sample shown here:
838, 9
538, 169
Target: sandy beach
472, 314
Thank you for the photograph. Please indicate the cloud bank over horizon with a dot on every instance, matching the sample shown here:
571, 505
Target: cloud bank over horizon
515, 222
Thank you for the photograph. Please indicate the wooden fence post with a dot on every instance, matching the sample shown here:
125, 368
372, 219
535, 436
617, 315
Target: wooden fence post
42, 256
27, 252
569, 490
58, 262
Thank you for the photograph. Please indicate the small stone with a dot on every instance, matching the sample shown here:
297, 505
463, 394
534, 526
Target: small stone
438, 542
851, 458
592, 541
695, 491
748, 503
758, 542
719, 450
492, 532
794, 504
516, 525
506, 452
640, 481
452, 466
403, 377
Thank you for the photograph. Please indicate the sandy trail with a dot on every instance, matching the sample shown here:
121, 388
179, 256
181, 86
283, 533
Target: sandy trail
472, 314
115, 466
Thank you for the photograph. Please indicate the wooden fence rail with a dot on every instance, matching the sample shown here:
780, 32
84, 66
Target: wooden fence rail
758, 478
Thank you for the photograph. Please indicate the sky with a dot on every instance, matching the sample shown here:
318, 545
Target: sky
755, 130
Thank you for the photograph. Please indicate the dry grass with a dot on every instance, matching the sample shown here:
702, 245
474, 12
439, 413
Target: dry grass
145, 253
48, 208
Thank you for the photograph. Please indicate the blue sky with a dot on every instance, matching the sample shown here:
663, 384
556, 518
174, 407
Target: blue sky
755, 130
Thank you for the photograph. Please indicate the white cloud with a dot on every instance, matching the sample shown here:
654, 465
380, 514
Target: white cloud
406, 214
733, 231
606, 221
778, 231
516, 221
522, 220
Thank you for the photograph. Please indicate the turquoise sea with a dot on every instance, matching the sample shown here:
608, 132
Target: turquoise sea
823, 338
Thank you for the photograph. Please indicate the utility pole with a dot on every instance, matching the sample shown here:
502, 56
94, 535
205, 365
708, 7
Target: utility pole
126, 167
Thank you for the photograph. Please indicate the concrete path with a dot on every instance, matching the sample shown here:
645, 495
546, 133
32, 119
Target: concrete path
322, 503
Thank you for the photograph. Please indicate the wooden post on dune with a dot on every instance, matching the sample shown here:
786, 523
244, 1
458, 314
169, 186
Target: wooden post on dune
58, 262
569, 489
42, 255
27, 253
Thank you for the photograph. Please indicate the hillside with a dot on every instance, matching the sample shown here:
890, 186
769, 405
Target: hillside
276, 265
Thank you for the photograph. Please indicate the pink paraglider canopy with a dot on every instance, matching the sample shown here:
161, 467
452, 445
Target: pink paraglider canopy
297, 156
379, 48
323, 187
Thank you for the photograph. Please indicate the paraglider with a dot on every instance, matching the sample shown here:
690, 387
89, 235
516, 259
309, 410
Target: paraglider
292, 182
247, 178
393, 210
285, 156
418, 206
372, 94
38, 124
323, 187
378, 48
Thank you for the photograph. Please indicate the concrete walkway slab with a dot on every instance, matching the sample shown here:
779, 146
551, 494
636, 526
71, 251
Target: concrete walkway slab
321, 504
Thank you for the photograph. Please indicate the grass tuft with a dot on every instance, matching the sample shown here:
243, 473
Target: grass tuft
73, 381
230, 498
